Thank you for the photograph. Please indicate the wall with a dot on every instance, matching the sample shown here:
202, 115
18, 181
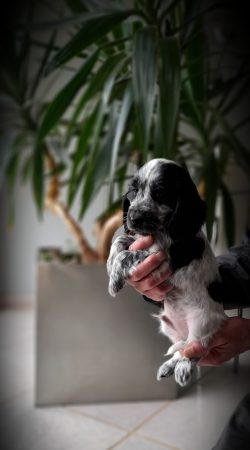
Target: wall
19, 245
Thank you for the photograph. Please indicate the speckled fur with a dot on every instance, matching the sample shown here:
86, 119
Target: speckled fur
188, 313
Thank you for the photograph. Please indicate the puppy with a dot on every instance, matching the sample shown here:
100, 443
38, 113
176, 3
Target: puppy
163, 201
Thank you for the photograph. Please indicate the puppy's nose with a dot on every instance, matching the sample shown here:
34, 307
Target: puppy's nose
137, 217
134, 216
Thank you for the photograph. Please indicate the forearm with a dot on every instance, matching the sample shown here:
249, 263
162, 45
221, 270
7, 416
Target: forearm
233, 288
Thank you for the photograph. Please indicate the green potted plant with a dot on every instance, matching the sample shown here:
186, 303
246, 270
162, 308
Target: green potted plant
143, 87
140, 84
155, 95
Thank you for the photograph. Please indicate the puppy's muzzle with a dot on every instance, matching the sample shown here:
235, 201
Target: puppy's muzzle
141, 220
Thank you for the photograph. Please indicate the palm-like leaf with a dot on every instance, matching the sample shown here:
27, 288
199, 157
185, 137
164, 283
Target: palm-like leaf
229, 214
90, 32
144, 75
95, 85
169, 93
80, 156
195, 59
63, 99
119, 130
212, 183
94, 152
38, 178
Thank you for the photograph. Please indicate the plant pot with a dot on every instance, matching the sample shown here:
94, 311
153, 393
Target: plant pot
91, 347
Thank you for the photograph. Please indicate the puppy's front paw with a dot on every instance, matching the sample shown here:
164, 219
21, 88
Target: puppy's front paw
109, 265
183, 371
115, 285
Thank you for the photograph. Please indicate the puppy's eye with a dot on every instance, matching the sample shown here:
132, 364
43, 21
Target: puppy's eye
158, 194
131, 194
132, 189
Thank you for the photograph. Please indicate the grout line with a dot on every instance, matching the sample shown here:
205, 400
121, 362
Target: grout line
110, 423
98, 419
131, 432
156, 441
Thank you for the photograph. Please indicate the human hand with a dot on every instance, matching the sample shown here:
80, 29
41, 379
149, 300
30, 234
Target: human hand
230, 340
149, 278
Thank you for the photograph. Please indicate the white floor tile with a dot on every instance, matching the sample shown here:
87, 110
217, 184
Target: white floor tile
124, 415
16, 353
27, 428
195, 421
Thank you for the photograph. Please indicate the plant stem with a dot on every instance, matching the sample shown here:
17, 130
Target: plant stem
88, 254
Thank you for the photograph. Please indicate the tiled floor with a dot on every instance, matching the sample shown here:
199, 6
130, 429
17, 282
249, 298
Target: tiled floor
192, 422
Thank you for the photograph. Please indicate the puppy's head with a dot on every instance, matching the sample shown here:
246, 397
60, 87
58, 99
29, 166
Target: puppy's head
163, 198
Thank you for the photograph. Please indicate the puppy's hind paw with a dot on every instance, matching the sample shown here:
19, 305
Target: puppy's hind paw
183, 371
165, 370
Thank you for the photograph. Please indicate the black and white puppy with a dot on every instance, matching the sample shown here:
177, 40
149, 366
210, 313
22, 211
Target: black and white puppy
163, 201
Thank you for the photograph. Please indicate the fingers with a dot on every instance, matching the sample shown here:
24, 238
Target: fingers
150, 277
193, 350
141, 243
155, 278
212, 359
159, 292
146, 267
205, 356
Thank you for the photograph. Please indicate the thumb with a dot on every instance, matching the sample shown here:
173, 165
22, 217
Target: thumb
193, 350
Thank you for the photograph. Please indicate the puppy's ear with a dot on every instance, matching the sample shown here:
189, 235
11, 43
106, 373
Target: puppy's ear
126, 201
125, 207
190, 212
